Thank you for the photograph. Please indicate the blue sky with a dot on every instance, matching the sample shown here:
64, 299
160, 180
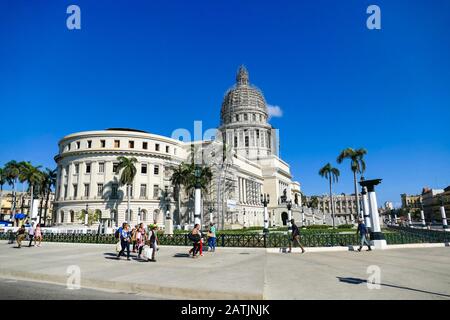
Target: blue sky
161, 65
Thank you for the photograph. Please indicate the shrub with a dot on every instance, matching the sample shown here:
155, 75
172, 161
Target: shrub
318, 226
345, 226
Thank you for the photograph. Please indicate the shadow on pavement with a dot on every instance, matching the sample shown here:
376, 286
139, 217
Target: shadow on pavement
359, 281
181, 255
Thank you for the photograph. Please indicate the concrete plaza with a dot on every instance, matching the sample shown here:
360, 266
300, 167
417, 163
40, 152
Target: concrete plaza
238, 273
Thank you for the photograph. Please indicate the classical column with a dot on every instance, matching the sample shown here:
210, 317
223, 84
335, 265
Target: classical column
422, 218
409, 219
444, 218
377, 236
365, 200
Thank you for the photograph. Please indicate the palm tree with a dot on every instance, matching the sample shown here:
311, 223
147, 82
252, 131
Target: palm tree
357, 165
33, 176
332, 174
179, 178
48, 182
128, 173
2, 183
12, 171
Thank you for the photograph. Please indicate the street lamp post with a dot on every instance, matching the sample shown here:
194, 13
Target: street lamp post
444, 217
265, 201
289, 207
198, 195
139, 216
422, 214
86, 215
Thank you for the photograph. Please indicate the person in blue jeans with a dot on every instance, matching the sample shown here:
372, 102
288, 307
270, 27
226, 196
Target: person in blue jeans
362, 230
125, 239
212, 237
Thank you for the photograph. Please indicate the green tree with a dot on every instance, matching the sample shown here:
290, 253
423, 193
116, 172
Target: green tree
93, 216
357, 165
47, 184
178, 179
12, 171
332, 175
2, 183
127, 165
33, 177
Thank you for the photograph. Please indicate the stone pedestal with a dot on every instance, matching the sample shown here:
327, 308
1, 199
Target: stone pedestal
168, 226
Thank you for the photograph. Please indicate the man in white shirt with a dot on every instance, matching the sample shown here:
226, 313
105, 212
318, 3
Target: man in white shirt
31, 233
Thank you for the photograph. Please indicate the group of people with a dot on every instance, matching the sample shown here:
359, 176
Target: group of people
34, 233
140, 239
197, 240
361, 230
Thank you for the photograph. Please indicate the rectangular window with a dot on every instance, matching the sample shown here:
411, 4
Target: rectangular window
156, 170
89, 144
75, 191
88, 168
100, 189
78, 144
145, 145
156, 146
115, 167
114, 191
102, 143
155, 191
246, 141
77, 168
65, 191
175, 151
116, 143
167, 149
144, 168
245, 117
86, 190
101, 167
131, 144
68, 147
143, 192
254, 117
237, 118
235, 142
130, 190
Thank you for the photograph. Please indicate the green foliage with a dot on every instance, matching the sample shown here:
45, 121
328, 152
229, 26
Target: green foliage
128, 169
330, 173
93, 216
357, 163
345, 226
318, 227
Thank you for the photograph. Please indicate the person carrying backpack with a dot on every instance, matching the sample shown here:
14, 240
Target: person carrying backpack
125, 239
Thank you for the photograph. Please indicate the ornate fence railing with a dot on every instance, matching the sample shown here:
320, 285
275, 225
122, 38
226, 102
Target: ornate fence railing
404, 235
276, 240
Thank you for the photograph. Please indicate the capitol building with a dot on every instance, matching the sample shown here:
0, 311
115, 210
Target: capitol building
250, 166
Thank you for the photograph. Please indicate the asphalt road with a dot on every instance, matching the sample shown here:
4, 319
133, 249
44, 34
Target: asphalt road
28, 290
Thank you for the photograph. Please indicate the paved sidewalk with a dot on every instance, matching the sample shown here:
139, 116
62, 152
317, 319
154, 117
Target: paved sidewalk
239, 273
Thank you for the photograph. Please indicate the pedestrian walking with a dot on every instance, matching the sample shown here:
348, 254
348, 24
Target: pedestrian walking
38, 236
212, 237
20, 236
141, 236
362, 230
154, 242
133, 237
295, 237
195, 237
125, 239
31, 233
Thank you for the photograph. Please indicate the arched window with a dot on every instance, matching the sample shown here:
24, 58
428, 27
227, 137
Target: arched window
61, 216
72, 216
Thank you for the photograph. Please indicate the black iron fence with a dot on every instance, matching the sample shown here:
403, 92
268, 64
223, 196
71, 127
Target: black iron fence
404, 235
400, 235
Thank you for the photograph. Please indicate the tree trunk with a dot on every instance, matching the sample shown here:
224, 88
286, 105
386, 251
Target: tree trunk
31, 204
40, 208
128, 205
179, 205
358, 208
46, 206
331, 204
